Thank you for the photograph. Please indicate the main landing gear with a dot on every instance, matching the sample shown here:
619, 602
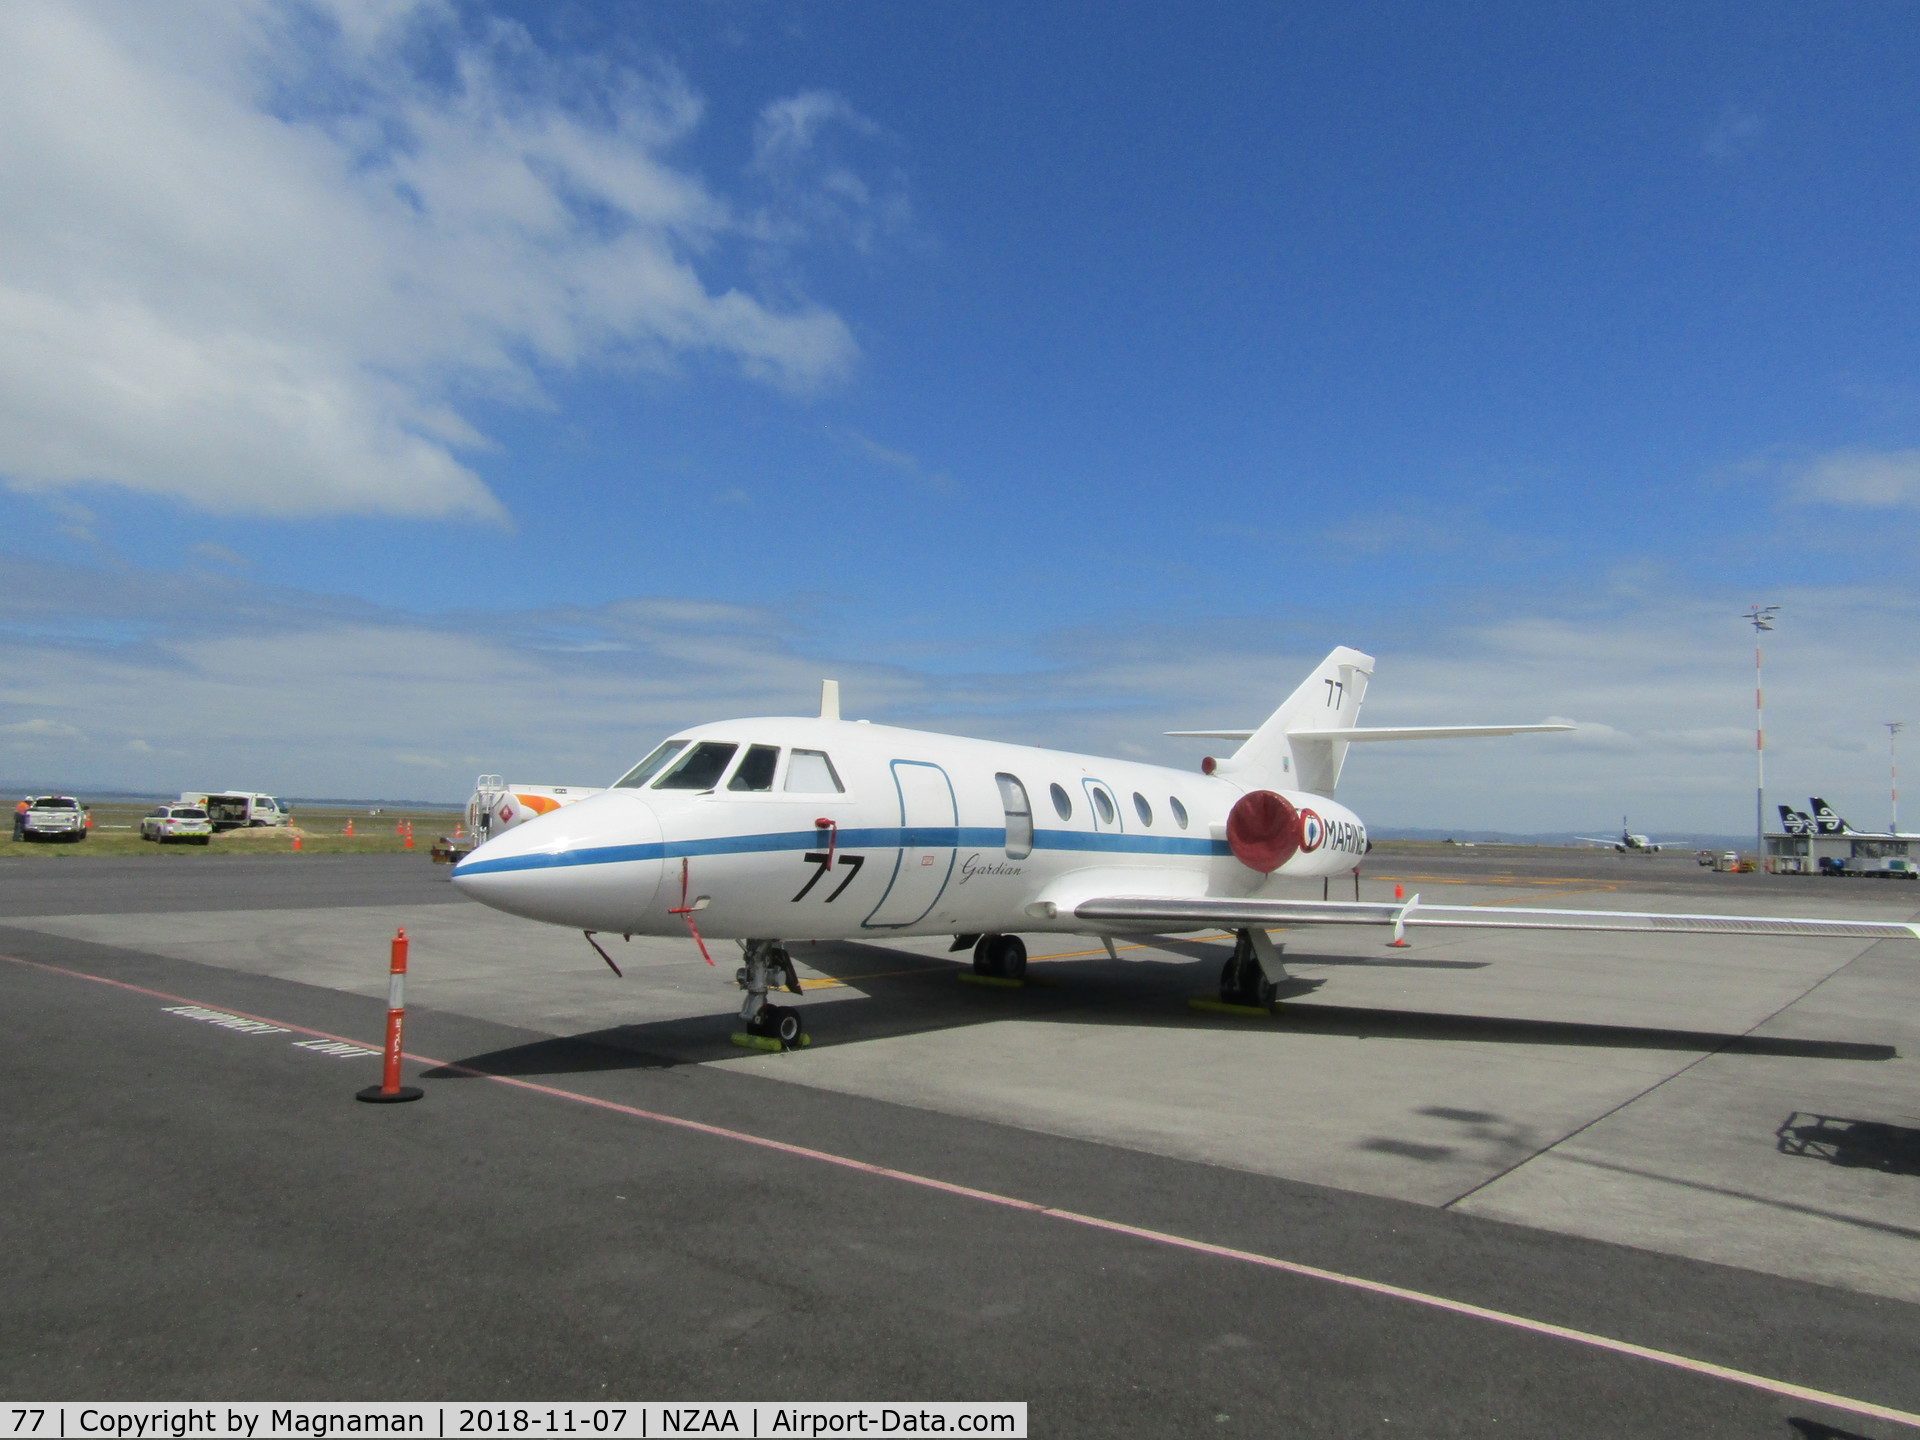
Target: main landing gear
768, 962
1244, 979
1000, 957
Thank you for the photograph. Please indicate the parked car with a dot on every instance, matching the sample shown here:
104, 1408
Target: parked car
51, 817
242, 809
176, 822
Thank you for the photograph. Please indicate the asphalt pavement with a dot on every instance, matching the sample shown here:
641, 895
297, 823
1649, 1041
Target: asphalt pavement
198, 1210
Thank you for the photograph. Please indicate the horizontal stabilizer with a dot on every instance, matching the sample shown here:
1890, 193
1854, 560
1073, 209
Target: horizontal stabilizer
1434, 732
1231, 914
1383, 732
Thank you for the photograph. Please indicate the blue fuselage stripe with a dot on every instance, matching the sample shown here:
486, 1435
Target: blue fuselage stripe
921, 837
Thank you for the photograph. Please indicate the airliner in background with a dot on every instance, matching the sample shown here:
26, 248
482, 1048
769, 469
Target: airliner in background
1625, 841
771, 830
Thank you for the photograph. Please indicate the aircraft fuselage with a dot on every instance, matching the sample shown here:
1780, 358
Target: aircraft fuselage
924, 836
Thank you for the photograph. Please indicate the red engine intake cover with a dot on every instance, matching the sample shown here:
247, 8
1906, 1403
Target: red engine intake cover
1263, 830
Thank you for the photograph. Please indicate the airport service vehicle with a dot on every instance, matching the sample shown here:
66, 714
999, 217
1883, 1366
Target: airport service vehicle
829, 829
240, 809
53, 817
177, 822
496, 806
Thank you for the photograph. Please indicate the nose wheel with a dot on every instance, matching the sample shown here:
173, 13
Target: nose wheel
769, 963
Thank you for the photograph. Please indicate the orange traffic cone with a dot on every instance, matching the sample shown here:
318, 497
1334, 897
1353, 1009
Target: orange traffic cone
296, 839
1399, 892
349, 829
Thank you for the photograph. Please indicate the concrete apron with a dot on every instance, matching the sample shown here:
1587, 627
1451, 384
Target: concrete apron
1659, 1091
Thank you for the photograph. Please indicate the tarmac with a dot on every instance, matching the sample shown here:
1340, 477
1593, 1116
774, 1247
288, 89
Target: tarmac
1082, 1194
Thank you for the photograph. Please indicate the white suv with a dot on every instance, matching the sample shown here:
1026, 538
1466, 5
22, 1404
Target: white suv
176, 822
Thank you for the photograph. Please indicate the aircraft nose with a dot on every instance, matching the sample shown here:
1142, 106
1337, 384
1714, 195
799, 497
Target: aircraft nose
593, 866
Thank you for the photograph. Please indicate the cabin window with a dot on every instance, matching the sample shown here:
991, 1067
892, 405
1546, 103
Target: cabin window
1142, 809
700, 769
649, 767
1179, 811
1062, 806
810, 772
1103, 803
1013, 799
756, 771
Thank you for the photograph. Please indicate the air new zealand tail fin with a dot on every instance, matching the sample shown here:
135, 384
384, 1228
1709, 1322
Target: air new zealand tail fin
1825, 822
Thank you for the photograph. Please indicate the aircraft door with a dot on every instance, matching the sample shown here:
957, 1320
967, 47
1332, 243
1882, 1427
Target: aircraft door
929, 817
1105, 809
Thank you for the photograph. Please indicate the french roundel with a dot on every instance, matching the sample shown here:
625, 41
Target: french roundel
1263, 830
1313, 831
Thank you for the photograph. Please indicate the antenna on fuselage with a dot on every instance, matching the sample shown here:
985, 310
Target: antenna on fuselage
829, 699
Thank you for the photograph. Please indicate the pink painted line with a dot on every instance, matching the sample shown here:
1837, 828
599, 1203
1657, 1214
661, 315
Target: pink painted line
1782, 1388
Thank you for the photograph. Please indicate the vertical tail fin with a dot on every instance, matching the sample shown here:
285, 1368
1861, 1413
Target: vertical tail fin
1284, 752
1826, 822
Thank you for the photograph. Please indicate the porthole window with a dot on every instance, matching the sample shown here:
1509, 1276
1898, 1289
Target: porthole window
1103, 805
1062, 806
1179, 811
1142, 809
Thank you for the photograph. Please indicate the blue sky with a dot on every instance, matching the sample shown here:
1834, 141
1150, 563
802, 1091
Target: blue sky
1062, 372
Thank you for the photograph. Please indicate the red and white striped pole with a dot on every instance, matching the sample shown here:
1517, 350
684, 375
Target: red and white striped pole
390, 1091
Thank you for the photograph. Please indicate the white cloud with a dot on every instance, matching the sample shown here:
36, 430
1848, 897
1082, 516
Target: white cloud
254, 260
830, 171
1867, 479
289, 692
41, 728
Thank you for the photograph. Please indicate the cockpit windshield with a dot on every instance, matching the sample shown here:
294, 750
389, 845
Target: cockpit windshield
756, 771
810, 772
700, 769
649, 767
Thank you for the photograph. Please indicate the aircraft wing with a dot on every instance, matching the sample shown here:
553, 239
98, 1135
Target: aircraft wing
1231, 914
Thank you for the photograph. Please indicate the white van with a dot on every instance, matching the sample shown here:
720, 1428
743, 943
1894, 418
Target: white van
241, 809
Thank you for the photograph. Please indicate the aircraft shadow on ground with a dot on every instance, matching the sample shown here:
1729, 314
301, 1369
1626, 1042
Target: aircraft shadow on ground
900, 993
1851, 1144
1806, 1429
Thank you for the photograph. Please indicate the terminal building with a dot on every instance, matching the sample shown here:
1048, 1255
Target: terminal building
1821, 843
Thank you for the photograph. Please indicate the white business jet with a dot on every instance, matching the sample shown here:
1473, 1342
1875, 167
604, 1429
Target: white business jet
828, 829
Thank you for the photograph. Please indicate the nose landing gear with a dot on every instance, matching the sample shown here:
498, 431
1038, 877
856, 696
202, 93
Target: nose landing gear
767, 961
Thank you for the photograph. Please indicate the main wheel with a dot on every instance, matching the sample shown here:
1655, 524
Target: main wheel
1010, 958
983, 954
